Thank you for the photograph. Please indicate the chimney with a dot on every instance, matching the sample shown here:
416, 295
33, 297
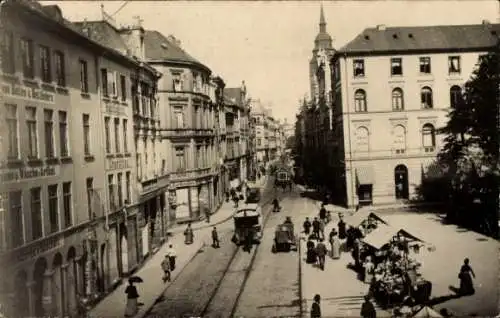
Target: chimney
486, 22
381, 27
174, 40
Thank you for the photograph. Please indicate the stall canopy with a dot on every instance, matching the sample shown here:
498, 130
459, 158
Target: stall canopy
358, 217
383, 234
427, 311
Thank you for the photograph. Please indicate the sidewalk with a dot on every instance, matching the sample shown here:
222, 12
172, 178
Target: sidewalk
113, 305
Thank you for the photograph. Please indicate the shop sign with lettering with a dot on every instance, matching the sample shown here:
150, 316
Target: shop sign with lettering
35, 249
114, 108
116, 164
28, 173
29, 93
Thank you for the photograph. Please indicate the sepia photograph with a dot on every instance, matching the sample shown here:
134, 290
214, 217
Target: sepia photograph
249, 159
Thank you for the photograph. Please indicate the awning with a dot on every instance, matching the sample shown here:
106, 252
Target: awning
364, 175
358, 217
382, 235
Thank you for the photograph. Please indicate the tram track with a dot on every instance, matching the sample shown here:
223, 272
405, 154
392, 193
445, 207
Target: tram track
222, 302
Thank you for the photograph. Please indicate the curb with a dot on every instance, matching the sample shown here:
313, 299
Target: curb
148, 309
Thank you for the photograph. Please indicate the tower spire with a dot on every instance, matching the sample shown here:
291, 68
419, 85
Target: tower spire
322, 21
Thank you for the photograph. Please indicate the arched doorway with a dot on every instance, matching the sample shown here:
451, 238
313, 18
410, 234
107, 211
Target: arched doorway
58, 288
70, 306
38, 288
21, 306
401, 182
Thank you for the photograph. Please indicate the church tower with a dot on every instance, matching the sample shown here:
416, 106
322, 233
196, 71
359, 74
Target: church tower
323, 50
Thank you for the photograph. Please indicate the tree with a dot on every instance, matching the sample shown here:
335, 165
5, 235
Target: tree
471, 145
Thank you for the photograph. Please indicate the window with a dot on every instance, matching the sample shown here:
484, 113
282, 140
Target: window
113, 86
111, 192
163, 166
455, 96
397, 99
362, 140
84, 79
125, 137
426, 97
117, 135
399, 139
359, 68
454, 64
15, 210
178, 117
107, 132
428, 138
67, 203
12, 134
8, 54
120, 189
63, 134
396, 66
27, 57
86, 134
36, 214
180, 163
45, 69
89, 185
177, 82
123, 87
198, 157
53, 208
32, 133
60, 68
49, 133
127, 186
104, 82
360, 101
425, 65
139, 166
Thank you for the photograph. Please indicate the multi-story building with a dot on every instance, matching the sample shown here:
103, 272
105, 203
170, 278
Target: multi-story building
260, 125
187, 126
393, 89
237, 134
71, 161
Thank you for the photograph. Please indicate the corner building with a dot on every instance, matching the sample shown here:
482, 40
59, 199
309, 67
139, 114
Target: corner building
393, 89
187, 127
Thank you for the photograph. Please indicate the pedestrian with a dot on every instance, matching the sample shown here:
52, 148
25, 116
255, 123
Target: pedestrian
466, 274
315, 307
132, 296
235, 200
172, 255
165, 266
215, 238
328, 217
322, 212
188, 235
369, 270
335, 244
321, 252
315, 226
367, 309
322, 228
307, 226
341, 227
207, 214
311, 257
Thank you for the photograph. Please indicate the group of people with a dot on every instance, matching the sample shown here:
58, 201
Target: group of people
367, 308
316, 253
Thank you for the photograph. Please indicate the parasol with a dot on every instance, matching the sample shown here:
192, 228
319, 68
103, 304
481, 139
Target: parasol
135, 279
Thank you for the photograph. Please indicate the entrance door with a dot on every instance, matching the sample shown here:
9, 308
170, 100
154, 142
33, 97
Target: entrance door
401, 182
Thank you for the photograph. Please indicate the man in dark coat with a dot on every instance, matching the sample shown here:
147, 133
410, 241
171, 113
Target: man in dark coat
215, 238
367, 309
321, 252
315, 225
322, 212
315, 308
307, 226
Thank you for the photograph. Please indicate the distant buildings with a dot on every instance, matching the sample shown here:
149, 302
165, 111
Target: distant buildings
392, 88
111, 135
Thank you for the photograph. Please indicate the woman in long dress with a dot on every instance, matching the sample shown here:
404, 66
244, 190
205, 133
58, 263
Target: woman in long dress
369, 270
132, 295
188, 235
466, 274
335, 242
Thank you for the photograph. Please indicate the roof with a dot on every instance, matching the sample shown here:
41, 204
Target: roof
103, 33
160, 48
424, 38
233, 96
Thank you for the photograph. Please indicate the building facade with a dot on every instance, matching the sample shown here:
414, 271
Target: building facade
393, 90
187, 127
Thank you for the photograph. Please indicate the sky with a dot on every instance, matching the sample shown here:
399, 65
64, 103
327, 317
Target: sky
268, 44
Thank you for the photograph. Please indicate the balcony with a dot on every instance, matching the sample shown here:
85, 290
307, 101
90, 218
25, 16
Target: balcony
190, 174
392, 153
186, 133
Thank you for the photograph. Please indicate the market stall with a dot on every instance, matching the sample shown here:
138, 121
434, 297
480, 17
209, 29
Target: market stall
396, 273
